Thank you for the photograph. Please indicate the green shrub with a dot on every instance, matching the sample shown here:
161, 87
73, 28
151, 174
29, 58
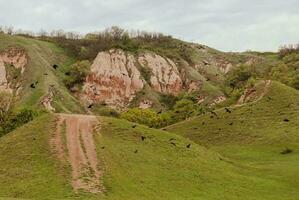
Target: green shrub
17, 119
142, 116
105, 111
239, 76
77, 74
168, 100
146, 74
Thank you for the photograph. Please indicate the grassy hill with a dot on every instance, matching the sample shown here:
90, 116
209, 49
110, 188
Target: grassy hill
255, 135
42, 56
246, 152
157, 170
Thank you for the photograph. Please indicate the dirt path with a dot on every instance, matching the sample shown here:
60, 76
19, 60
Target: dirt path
74, 142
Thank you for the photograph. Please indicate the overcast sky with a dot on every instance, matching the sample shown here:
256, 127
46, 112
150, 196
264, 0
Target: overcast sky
229, 25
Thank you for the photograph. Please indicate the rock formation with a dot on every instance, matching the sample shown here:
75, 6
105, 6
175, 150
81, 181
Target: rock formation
12, 57
165, 77
114, 79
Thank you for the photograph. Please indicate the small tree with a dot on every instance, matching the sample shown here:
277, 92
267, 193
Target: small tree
6, 107
77, 74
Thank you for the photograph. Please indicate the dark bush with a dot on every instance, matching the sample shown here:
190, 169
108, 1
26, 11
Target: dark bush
18, 119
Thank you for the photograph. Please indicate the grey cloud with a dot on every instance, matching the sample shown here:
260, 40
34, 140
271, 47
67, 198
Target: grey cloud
229, 25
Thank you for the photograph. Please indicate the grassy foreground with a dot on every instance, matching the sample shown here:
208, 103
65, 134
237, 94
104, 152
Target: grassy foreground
256, 136
244, 162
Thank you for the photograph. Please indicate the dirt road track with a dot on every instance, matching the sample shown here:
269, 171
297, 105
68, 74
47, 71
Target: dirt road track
79, 149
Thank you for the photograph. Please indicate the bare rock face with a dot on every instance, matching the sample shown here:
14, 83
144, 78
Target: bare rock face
165, 76
4, 86
13, 57
114, 79
47, 100
218, 100
145, 104
255, 93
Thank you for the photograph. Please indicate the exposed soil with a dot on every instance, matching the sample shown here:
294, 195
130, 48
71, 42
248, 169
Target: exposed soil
79, 149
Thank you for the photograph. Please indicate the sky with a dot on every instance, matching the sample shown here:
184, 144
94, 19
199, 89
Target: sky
227, 25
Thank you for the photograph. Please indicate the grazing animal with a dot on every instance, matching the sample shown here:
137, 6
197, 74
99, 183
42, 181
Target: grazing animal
214, 113
55, 66
231, 123
90, 106
46, 74
67, 73
173, 143
143, 138
227, 110
134, 126
286, 120
32, 85
159, 112
103, 147
188, 146
136, 151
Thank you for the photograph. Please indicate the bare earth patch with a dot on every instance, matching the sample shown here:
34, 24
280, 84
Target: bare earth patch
81, 150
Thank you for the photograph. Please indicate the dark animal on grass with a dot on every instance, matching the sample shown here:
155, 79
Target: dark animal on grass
212, 112
159, 112
286, 120
188, 146
55, 66
171, 139
231, 123
143, 138
134, 126
32, 85
136, 151
228, 110
286, 151
67, 73
90, 106
173, 143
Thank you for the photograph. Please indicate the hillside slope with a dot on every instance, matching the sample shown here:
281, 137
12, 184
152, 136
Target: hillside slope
262, 135
160, 167
41, 56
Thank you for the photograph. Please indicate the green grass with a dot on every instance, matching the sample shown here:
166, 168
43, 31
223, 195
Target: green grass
28, 168
42, 56
159, 170
256, 139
